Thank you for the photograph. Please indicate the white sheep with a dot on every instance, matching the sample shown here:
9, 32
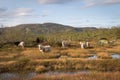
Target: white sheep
65, 44
87, 44
103, 41
43, 49
83, 45
21, 44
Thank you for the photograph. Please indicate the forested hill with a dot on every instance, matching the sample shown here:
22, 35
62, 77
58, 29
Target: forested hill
45, 28
53, 31
23, 31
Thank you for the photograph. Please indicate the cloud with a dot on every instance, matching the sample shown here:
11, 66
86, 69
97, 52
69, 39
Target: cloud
15, 16
54, 1
23, 12
19, 12
87, 3
91, 3
2, 12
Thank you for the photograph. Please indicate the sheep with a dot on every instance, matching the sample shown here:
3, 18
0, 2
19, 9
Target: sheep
21, 44
103, 41
65, 44
43, 49
87, 44
16, 43
83, 45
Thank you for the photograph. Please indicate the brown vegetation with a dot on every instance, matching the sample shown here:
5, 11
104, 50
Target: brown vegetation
60, 59
104, 55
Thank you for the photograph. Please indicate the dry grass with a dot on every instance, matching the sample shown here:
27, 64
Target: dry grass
104, 55
80, 55
8, 57
59, 58
40, 69
34, 53
7, 63
5, 66
115, 49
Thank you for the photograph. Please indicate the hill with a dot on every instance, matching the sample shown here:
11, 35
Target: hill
45, 28
21, 31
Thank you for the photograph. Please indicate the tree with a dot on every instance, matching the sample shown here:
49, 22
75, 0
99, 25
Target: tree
116, 31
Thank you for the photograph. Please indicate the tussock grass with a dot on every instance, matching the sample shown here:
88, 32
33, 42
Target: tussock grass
70, 64
104, 55
59, 59
6, 66
40, 69
80, 55
115, 49
34, 53
7, 58
73, 64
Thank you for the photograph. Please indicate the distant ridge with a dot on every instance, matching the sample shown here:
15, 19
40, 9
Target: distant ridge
45, 28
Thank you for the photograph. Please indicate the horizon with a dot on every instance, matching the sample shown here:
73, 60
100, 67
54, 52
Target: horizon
2, 26
75, 13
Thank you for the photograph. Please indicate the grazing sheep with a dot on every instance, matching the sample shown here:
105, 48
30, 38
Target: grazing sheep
21, 44
87, 44
83, 45
16, 43
46, 48
65, 44
103, 41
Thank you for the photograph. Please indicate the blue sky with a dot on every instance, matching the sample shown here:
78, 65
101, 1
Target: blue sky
77, 13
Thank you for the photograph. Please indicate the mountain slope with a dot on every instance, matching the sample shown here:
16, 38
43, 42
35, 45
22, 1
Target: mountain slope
45, 28
23, 31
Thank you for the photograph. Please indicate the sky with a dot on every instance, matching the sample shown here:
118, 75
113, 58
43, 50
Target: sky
76, 13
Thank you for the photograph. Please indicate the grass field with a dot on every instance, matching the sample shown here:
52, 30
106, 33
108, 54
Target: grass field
14, 59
